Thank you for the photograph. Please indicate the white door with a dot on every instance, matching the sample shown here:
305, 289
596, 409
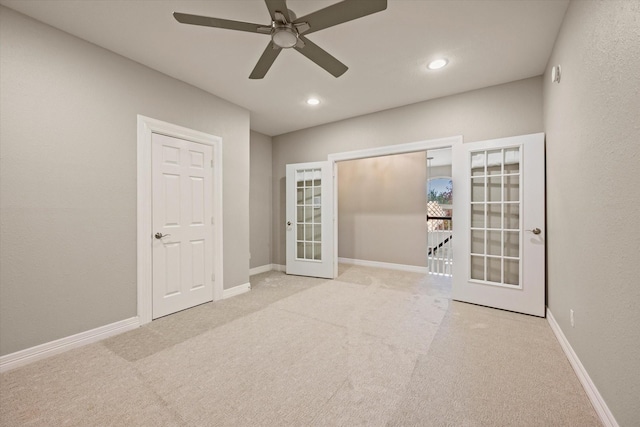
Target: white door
499, 222
182, 180
310, 219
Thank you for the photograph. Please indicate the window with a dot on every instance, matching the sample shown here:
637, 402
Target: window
440, 191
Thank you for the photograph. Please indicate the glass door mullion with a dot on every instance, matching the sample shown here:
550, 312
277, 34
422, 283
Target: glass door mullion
502, 217
486, 216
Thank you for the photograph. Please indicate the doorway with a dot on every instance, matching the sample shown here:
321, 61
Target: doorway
179, 226
500, 209
415, 147
395, 211
298, 204
381, 211
439, 213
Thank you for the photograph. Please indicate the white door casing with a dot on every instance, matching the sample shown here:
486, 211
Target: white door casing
499, 223
147, 128
310, 219
182, 181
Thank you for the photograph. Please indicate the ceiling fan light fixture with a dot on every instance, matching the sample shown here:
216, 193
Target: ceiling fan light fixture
284, 37
436, 64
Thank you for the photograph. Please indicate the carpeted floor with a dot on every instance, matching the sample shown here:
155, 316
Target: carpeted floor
374, 347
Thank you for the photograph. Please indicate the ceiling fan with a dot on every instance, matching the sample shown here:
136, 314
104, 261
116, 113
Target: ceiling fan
286, 30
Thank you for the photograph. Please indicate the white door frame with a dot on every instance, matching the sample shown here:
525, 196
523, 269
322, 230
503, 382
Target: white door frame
387, 150
146, 127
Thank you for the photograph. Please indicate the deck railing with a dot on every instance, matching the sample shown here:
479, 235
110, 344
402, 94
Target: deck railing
439, 245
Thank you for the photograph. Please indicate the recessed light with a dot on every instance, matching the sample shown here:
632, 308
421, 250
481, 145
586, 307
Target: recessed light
437, 64
313, 101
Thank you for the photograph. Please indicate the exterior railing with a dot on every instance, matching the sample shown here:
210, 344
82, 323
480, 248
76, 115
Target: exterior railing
439, 245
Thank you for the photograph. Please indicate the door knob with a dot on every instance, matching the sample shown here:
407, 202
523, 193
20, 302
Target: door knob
288, 223
160, 235
535, 231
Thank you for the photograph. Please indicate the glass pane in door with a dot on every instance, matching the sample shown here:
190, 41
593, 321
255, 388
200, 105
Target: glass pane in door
495, 238
308, 220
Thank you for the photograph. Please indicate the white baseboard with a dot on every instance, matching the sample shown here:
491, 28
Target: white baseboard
267, 267
236, 290
596, 399
261, 269
388, 265
42, 351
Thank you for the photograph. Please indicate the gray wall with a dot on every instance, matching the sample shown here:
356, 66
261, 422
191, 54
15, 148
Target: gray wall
68, 179
499, 111
381, 209
260, 200
592, 124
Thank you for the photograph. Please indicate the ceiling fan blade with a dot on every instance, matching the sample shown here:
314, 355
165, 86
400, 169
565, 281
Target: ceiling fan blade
338, 13
278, 6
185, 18
321, 57
266, 60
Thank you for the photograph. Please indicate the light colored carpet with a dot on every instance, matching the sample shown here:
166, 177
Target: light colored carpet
375, 347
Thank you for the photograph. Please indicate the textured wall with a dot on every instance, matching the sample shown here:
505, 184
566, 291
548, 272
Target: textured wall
592, 123
260, 200
68, 179
498, 111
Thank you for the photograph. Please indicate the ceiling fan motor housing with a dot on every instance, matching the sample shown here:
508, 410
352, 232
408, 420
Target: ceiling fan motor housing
284, 35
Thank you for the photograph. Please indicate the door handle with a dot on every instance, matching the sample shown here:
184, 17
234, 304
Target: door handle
160, 235
535, 231
288, 223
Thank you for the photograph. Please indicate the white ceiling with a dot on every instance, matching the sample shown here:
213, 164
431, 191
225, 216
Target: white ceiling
487, 42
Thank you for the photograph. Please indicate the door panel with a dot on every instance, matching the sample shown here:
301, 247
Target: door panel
310, 248
499, 204
182, 182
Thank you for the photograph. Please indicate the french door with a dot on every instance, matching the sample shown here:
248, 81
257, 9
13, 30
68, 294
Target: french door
499, 210
310, 219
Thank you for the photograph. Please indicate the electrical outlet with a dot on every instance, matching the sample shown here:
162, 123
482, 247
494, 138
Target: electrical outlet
571, 317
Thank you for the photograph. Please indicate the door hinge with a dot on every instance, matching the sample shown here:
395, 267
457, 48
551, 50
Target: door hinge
211, 162
213, 277
211, 220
